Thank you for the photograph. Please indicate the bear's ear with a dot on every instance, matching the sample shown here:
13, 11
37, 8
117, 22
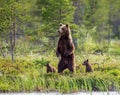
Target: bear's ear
87, 60
67, 25
61, 24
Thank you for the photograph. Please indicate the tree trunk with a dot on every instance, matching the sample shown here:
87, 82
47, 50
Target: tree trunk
11, 46
76, 16
79, 12
93, 10
109, 30
12, 40
14, 33
109, 21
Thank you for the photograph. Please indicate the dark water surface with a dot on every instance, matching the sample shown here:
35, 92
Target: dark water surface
57, 93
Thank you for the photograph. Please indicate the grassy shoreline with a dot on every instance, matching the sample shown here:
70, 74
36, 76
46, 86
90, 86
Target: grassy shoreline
25, 76
64, 83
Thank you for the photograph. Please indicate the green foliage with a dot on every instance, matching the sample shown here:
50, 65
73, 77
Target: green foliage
114, 72
41, 62
114, 47
9, 12
54, 12
85, 38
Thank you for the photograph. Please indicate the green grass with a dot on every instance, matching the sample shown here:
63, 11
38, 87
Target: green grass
61, 83
25, 75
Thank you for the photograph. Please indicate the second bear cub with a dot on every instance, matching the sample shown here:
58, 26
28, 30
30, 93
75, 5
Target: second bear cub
50, 68
88, 66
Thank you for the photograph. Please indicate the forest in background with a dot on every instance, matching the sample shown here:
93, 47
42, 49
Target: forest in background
31, 26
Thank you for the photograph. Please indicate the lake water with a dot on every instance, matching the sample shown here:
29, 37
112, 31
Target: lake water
56, 93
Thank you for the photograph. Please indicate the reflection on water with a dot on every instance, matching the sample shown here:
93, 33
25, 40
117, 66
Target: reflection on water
56, 93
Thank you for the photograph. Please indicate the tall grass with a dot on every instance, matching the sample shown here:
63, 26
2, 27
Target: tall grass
59, 83
25, 75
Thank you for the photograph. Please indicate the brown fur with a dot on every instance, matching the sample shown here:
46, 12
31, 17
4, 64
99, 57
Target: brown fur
88, 66
50, 68
65, 50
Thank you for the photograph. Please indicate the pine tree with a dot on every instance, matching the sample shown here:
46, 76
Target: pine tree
54, 12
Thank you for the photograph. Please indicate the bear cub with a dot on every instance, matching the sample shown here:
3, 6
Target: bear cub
50, 68
88, 66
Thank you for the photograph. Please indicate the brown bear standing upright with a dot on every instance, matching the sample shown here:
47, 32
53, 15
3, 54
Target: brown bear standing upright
50, 68
88, 66
65, 49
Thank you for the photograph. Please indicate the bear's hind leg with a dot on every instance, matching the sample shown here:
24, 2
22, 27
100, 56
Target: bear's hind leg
71, 69
61, 67
71, 66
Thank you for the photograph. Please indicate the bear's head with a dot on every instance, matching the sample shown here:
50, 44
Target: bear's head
64, 29
85, 62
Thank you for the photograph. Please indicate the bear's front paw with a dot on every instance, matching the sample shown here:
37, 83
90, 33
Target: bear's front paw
66, 54
57, 54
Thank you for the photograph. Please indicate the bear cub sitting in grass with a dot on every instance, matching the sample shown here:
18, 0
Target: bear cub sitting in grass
50, 68
88, 66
